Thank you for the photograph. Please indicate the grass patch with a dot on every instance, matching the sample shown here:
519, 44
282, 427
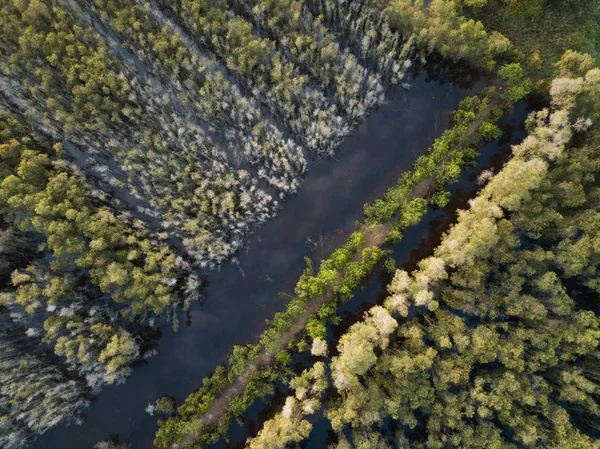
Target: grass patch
541, 31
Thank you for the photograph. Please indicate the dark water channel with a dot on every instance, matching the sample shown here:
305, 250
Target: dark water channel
418, 242
239, 298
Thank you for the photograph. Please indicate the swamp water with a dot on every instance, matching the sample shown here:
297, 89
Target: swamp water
418, 242
241, 296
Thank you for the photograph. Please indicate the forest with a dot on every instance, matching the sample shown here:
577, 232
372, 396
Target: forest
492, 340
151, 152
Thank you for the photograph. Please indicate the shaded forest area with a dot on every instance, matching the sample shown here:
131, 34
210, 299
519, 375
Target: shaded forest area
492, 341
141, 144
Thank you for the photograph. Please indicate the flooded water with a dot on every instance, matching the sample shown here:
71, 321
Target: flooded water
418, 242
239, 298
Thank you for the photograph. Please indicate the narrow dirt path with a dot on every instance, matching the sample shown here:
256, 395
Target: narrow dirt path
374, 236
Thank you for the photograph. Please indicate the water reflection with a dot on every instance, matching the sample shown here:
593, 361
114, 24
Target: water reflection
418, 242
239, 298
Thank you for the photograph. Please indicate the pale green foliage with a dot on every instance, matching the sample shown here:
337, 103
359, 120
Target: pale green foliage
319, 347
564, 91
474, 3
357, 345
573, 64
404, 288
118, 352
289, 425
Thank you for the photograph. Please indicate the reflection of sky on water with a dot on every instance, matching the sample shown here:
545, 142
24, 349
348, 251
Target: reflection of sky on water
418, 242
236, 306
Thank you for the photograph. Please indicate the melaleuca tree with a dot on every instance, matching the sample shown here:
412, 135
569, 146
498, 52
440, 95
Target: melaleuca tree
574, 64
290, 425
357, 347
165, 405
36, 394
364, 439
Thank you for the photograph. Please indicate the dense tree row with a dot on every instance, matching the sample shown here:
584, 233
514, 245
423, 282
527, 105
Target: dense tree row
65, 255
168, 161
273, 79
310, 45
289, 61
54, 201
365, 30
502, 348
204, 88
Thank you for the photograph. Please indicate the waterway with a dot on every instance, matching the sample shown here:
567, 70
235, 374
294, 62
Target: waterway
418, 242
241, 296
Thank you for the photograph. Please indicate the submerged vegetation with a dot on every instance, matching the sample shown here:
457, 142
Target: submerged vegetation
141, 143
207, 413
492, 340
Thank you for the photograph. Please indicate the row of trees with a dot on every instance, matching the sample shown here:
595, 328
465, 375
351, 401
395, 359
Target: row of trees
64, 72
502, 347
365, 30
256, 64
290, 62
203, 87
315, 51
65, 255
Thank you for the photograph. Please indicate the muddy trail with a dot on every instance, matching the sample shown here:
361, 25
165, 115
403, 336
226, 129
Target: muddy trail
237, 299
418, 242
374, 237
